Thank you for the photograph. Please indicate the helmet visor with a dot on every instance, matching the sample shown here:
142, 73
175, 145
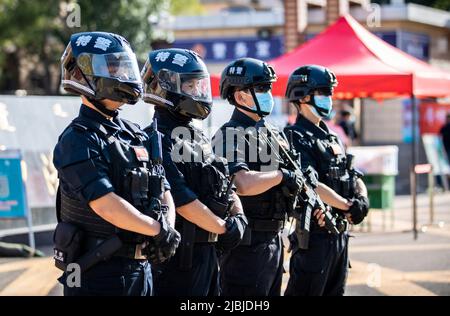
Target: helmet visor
122, 66
194, 85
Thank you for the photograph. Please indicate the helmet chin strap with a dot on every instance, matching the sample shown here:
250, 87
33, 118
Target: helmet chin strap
314, 111
258, 109
312, 103
99, 106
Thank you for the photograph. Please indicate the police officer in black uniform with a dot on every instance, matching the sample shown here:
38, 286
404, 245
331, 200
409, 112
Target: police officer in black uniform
322, 269
255, 267
113, 199
209, 213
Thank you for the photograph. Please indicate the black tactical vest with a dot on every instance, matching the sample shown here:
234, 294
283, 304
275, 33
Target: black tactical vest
270, 205
205, 173
132, 175
332, 162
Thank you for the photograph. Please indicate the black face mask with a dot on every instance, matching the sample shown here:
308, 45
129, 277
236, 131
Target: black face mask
99, 106
177, 117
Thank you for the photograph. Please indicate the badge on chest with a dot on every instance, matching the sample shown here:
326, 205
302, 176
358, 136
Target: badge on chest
336, 149
141, 153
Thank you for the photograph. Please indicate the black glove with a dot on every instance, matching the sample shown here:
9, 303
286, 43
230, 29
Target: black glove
359, 209
164, 245
291, 183
235, 226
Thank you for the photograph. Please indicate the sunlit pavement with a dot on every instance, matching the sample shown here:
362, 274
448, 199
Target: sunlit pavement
393, 263
384, 262
388, 261
35, 276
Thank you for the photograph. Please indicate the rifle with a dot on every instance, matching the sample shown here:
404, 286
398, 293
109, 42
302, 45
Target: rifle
155, 179
354, 174
309, 199
227, 195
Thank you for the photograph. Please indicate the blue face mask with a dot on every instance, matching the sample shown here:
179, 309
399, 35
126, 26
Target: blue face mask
265, 101
323, 104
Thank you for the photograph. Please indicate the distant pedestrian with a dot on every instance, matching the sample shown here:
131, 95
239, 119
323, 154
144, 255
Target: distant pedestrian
347, 123
445, 133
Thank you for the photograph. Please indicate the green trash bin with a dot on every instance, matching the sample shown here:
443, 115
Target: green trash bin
381, 190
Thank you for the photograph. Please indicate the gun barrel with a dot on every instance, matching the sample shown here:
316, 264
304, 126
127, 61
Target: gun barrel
156, 144
230, 184
350, 159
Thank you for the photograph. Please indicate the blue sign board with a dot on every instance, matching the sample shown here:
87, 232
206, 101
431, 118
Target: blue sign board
12, 190
227, 49
415, 44
389, 37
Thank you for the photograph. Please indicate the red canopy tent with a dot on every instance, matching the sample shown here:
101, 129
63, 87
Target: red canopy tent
365, 65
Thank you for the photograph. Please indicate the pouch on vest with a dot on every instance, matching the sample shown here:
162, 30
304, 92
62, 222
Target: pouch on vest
67, 240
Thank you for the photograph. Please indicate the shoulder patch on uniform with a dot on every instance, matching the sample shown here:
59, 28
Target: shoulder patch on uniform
80, 127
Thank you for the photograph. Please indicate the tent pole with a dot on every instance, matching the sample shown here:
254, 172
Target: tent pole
414, 163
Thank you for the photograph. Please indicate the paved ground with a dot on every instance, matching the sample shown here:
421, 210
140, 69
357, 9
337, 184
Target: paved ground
385, 258
385, 261
393, 263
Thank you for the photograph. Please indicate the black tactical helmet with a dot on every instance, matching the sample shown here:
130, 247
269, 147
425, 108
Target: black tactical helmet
177, 79
245, 73
305, 79
100, 66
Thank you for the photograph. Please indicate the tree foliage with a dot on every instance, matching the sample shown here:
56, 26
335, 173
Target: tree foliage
33, 34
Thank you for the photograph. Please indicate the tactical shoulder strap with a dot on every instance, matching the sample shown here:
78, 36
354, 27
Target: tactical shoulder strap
97, 127
162, 128
305, 136
297, 129
334, 137
58, 204
133, 127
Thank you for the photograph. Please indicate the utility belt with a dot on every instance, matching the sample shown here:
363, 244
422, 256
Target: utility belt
72, 245
265, 225
191, 235
269, 227
128, 250
202, 236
